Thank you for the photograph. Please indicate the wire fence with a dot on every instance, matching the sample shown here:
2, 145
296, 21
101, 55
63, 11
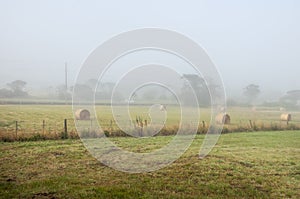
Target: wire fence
47, 129
42, 129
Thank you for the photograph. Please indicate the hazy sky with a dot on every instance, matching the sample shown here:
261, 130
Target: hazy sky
249, 41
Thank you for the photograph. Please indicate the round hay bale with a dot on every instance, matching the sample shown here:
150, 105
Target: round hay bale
163, 108
82, 114
286, 117
222, 118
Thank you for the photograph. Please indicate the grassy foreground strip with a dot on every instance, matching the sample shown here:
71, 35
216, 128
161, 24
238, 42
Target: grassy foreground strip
242, 165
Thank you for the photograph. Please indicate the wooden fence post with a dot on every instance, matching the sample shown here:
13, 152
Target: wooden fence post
43, 127
66, 128
250, 122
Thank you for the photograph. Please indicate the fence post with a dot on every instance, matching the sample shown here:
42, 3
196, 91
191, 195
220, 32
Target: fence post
43, 127
66, 127
250, 124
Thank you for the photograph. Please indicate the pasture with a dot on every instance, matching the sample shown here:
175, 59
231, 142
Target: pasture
242, 165
252, 164
18, 122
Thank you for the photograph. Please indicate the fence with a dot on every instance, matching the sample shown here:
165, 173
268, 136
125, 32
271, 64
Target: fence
45, 129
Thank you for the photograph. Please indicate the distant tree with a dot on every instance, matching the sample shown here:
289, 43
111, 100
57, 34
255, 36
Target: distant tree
251, 92
83, 91
104, 90
62, 93
18, 88
92, 83
194, 83
292, 97
231, 102
5, 93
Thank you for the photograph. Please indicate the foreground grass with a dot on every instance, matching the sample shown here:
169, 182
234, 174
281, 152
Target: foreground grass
242, 165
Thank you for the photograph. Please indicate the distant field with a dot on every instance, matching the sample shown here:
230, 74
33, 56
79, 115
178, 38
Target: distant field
48, 120
242, 165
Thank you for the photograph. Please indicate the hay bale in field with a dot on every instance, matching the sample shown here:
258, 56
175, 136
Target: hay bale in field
286, 117
163, 108
82, 114
222, 118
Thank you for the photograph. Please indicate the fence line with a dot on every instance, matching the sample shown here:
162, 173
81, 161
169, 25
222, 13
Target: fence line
66, 128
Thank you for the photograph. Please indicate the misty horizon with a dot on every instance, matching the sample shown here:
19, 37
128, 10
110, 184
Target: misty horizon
250, 43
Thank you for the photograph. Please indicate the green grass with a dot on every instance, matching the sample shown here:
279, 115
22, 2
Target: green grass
242, 165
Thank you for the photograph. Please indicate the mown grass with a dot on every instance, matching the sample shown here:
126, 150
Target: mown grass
242, 165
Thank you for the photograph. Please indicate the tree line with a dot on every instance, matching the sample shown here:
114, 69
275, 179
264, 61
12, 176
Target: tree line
192, 84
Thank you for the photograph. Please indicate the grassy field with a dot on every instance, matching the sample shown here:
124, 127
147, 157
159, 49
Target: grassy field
242, 165
30, 120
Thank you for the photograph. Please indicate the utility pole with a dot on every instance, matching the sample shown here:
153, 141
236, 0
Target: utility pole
66, 76
66, 82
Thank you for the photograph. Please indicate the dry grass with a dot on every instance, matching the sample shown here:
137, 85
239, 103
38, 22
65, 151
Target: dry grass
47, 122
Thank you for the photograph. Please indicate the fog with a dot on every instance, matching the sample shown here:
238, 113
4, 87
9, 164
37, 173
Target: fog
250, 42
